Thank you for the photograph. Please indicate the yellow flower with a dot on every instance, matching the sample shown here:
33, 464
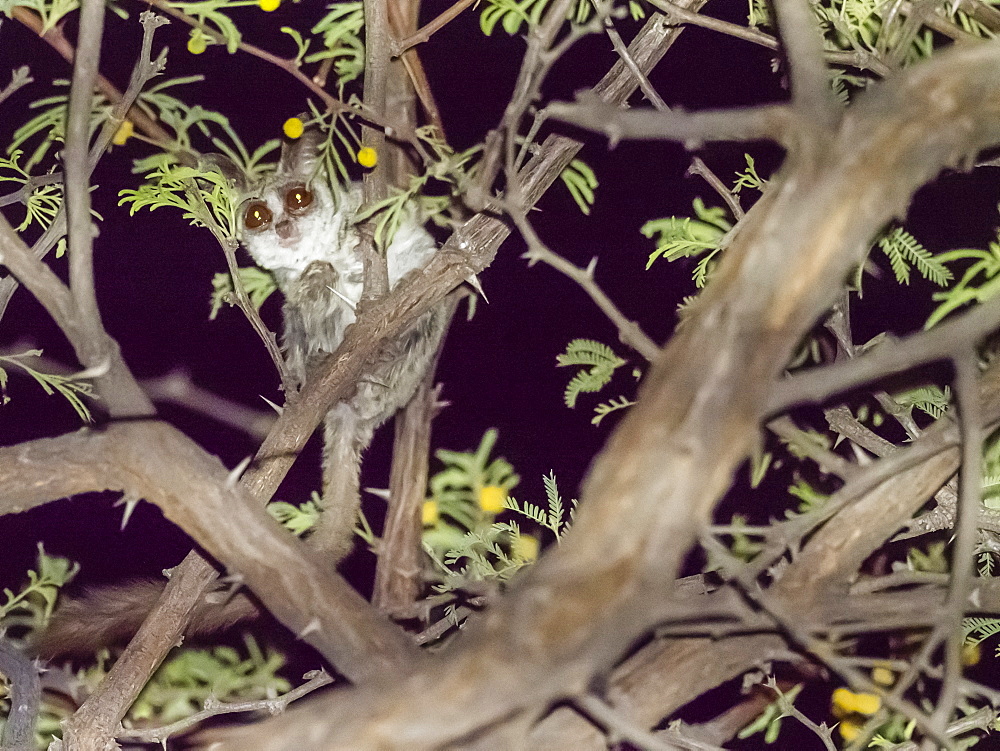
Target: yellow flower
846, 701
294, 128
883, 676
123, 133
430, 513
491, 499
971, 653
269, 5
197, 43
525, 547
849, 730
367, 157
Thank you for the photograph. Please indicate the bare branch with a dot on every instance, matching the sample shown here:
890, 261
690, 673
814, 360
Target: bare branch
177, 387
970, 501
812, 95
214, 708
940, 343
153, 461
25, 693
675, 13
79, 228
426, 31
772, 122
397, 574
629, 332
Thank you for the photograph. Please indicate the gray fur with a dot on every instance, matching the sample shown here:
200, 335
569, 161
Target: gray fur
314, 256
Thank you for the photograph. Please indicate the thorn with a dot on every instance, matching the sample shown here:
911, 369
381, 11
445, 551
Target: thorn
473, 282
95, 372
590, 267
382, 493
342, 296
129, 501
237, 472
310, 628
276, 407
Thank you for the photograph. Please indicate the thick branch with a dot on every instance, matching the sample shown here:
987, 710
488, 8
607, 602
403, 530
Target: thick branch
153, 461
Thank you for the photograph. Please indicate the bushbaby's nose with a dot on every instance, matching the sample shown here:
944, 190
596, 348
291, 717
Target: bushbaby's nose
286, 230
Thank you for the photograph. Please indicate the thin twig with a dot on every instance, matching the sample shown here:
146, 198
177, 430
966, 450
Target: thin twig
247, 307
33, 183
629, 332
332, 104
828, 461
55, 39
214, 708
438, 629
618, 728
430, 28
808, 76
18, 78
940, 343
678, 14
698, 167
970, 500
823, 651
176, 387
768, 122
823, 733
651, 94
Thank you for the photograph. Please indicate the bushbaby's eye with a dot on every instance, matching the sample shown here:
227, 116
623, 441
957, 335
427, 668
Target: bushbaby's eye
298, 198
257, 215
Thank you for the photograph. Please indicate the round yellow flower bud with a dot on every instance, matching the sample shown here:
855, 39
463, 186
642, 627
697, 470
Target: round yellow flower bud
269, 5
883, 676
491, 499
367, 157
429, 513
123, 133
294, 128
971, 654
525, 547
849, 730
846, 701
197, 42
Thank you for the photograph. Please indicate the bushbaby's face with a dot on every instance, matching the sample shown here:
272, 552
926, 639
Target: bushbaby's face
289, 224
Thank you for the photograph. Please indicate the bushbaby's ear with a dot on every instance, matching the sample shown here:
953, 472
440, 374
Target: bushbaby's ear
215, 163
227, 168
299, 157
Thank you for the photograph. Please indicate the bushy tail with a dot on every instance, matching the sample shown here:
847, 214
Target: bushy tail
107, 616
346, 436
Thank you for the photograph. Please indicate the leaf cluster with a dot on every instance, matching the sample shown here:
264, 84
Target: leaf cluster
457, 489
599, 363
72, 387
555, 518
41, 201
28, 611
